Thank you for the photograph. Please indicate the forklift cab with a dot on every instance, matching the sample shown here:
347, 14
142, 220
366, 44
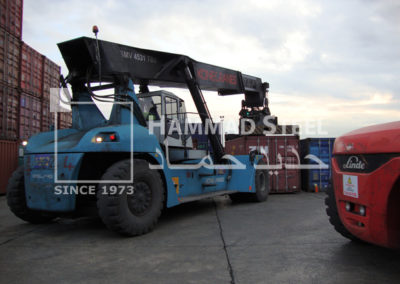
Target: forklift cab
167, 113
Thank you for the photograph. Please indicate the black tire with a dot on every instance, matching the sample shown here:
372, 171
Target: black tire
126, 213
17, 202
262, 188
334, 219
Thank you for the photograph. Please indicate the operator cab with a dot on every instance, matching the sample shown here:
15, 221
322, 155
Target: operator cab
166, 114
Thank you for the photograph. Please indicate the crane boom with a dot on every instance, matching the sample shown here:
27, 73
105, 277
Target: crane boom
157, 68
92, 60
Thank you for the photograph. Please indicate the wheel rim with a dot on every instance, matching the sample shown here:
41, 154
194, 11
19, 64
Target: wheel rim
139, 202
261, 181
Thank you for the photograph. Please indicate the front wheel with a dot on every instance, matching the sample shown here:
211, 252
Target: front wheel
17, 202
126, 211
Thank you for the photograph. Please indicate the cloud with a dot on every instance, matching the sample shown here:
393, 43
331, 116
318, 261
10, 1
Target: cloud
330, 60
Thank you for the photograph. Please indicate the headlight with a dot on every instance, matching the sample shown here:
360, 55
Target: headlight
105, 137
98, 139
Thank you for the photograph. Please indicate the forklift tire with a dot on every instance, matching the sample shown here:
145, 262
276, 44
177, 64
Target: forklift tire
262, 188
127, 213
334, 218
17, 202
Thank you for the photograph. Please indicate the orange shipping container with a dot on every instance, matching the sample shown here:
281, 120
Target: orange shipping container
9, 58
11, 16
8, 113
8, 162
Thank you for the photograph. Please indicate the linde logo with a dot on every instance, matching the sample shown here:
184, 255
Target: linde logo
354, 163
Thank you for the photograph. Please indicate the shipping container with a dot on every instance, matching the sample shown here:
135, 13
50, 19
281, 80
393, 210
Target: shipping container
316, 179
9, 98
51, 77
31, 71
8, 162
200, 138
9, 58
47, 116
64, 120
284, 172
11, 16
30, 116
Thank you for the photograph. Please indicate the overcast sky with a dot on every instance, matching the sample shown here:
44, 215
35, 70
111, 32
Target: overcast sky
336, 62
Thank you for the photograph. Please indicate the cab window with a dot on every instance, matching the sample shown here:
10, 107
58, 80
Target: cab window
151, 107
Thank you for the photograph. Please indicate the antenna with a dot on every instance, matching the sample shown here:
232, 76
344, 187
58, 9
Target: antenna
95, 30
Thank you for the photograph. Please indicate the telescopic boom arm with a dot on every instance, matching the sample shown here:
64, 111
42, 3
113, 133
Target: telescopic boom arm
149, 67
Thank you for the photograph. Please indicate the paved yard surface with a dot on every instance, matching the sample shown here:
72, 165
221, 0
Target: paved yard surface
285, 240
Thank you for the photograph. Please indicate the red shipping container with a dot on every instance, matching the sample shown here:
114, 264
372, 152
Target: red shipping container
8, 162
31, 71
283, 178
8, 113
64, 120
30, 116
9, 58
47, 116
51, 77
11, 16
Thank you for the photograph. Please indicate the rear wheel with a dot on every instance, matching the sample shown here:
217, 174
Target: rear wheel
126, 212
17, 202
334, 219
262, 188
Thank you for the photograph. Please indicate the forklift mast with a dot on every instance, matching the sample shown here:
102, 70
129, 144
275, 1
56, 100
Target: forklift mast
91, 60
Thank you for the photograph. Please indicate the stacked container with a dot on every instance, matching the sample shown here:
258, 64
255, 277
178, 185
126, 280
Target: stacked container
64, 120
9, 110
316, 179
11, 17
281, 153
10, 46
9, 58
26, 77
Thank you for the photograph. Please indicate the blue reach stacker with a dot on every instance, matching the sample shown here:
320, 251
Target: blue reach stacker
135, 171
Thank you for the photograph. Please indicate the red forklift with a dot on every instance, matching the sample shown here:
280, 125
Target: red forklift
363, 203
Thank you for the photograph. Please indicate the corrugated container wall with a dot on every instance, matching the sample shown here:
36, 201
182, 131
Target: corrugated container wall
31, 71
64, 120
8, 162
51, 77
30, 116
9, 58
11, 16
47, 116
316, 179
284, 176
8, 113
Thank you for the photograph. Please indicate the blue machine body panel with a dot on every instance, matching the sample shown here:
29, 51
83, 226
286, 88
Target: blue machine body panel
316, 178
40, 183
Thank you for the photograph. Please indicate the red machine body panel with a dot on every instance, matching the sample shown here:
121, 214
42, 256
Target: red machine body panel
366, 172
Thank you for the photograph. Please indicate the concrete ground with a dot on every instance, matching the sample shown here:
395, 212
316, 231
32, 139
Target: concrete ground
288, 239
